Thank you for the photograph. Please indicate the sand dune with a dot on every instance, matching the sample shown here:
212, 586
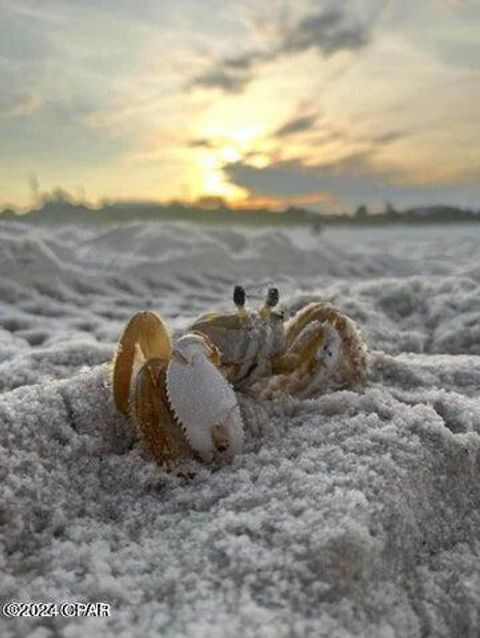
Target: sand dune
348, 514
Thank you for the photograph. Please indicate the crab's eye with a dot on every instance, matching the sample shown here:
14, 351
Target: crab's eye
239, 296
273, 296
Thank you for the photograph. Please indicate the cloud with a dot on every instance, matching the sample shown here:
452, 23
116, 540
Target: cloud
329, 31
228, 80
352, 181
389, 137
201, 142
292, 177
23, 48
346, 182
231, 75
297, 125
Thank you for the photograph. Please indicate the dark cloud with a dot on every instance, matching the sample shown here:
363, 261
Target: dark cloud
353, 181
329, 32
229, 80
231, 74
244, 62
291, 178
201, 142
297, 125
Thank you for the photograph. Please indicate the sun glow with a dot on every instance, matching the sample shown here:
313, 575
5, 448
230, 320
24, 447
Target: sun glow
226, 146
213, 180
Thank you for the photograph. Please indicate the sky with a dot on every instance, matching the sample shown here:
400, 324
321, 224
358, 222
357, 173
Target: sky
315, 103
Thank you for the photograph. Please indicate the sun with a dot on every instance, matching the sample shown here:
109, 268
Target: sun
214, 183
245, 135
227, 146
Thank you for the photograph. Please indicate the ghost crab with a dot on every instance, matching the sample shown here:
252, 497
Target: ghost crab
181, 396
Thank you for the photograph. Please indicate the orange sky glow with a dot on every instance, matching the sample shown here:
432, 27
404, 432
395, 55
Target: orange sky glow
312, 103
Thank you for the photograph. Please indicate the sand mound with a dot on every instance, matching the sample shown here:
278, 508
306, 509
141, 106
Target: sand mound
348, 514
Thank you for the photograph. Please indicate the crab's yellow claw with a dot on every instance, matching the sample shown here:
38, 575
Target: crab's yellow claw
156, 426
145, 337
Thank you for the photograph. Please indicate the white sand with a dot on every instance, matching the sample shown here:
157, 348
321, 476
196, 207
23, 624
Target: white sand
348, 515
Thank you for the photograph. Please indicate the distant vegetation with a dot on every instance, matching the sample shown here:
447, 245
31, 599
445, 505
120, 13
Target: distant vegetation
59, 208
437, 214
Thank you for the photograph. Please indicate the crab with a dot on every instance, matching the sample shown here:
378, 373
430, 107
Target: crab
182, 396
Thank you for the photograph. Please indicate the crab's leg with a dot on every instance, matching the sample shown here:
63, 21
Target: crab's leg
145, 337
303, 317
159, 431
321, 344
353, 359
289, 361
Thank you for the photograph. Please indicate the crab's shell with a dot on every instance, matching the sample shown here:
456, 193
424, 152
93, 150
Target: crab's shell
247, 343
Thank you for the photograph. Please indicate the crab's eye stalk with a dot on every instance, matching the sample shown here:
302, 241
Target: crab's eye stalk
273, 297
239, 296
270, 302
239, 299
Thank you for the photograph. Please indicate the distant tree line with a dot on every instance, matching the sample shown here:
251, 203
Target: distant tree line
420, 214
59, 207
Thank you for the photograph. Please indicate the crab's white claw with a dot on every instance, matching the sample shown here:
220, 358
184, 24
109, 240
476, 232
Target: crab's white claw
202, 400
